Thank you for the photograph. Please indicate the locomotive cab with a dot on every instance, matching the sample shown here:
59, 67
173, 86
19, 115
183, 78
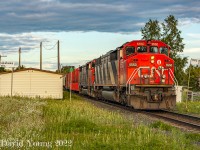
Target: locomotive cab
149, 75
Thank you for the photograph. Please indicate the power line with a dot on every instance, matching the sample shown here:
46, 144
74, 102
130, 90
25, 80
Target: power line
49, 48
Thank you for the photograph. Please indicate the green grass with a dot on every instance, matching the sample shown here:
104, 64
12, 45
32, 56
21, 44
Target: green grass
193, 107
77, 124
162, 126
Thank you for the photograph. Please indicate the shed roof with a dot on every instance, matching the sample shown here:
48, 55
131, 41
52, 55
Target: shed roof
46, 71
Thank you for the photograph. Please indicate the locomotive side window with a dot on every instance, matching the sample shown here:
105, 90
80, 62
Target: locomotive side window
142, 49
130, 50
164, 50
153, 49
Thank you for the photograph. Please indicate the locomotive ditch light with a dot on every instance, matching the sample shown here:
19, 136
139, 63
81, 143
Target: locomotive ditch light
164, 76
145, 76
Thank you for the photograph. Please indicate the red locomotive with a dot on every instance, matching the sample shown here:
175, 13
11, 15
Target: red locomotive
140, 74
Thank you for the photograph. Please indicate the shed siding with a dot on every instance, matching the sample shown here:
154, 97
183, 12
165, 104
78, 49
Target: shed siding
32, 83
5, 84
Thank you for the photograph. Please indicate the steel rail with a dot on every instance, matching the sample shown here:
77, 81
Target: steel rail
177, 121
155, 114
182, 115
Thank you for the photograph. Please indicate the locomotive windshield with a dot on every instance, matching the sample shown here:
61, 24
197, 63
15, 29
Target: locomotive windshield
153, 49
130, 50
164, 50
141, 49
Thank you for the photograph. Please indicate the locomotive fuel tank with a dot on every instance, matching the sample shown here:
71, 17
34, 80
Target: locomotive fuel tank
109, 95
84, 91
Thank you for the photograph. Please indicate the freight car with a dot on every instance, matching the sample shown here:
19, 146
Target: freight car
139, 73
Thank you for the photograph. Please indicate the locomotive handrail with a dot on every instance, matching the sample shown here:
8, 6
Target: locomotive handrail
135, 71
174, 79
132, 76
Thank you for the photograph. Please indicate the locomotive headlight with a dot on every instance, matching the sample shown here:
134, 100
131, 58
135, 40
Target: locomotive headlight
152, 59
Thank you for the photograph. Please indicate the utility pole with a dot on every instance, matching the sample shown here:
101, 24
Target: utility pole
19, 57
58, 56
40, 55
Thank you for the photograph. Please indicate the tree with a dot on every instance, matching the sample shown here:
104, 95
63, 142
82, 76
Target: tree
179, 69
169, 33
194, 77
66, 69
20, 68
2, 69
172, 36
151, 30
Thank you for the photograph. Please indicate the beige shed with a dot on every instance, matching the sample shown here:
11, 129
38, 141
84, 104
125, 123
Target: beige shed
32, 82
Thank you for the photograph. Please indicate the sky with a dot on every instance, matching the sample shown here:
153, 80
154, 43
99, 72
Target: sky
86, 29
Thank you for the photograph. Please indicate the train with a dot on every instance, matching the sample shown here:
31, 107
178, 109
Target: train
139, 74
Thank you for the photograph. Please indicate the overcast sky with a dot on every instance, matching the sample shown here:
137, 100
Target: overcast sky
86, 29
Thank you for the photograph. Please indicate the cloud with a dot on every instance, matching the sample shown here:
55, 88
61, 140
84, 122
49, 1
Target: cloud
103, 16
10, 43
194, 35
22, 22
188, 21
192, 50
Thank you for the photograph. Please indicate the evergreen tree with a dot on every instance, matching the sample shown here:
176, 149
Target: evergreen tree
151, 30
171, 35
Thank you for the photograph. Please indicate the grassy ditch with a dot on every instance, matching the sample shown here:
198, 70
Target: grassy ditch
76, 124
193, 107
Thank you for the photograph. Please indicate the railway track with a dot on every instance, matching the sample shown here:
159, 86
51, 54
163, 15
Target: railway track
182, 120
177, 119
